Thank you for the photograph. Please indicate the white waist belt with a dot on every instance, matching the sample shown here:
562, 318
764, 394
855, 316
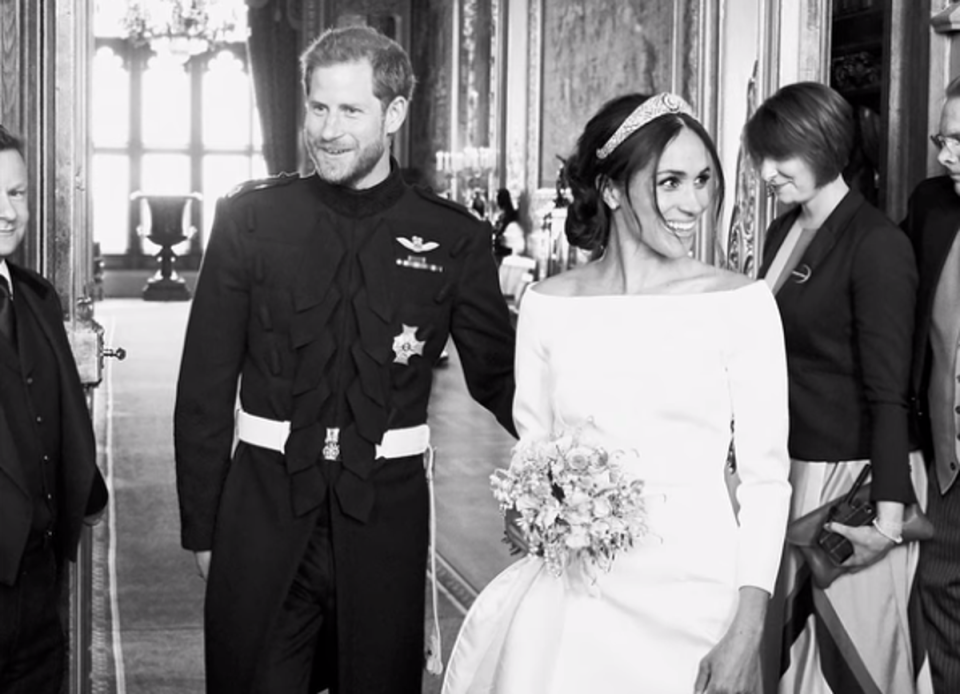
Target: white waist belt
397, 443
272, 434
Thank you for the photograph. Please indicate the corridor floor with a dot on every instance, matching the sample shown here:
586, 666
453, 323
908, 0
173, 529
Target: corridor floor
147, 594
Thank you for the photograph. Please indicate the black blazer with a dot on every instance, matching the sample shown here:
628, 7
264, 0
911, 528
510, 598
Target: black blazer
848, 328
932, 221
82, 490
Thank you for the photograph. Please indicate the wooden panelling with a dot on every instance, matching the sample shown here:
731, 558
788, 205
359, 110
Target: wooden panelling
10, 105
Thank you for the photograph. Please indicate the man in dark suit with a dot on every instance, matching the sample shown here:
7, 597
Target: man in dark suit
328, 298
49, 482
932, 222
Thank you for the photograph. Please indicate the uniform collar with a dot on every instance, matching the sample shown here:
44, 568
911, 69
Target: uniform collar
362, 203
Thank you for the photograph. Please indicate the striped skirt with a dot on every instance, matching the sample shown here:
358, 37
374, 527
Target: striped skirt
854, 637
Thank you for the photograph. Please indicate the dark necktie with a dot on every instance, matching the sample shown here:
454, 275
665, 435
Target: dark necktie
6, 312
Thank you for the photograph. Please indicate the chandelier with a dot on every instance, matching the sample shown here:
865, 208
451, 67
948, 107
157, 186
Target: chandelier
182, 28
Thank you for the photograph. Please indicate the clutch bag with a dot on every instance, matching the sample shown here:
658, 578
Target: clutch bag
826, 551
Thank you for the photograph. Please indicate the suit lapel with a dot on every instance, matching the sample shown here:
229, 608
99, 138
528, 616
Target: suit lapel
775, 239
30, 297
9, 458
825, 240
27, 299
8, 355
942, 224
937, 228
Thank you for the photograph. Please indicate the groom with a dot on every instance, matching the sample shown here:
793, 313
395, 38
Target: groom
329, 299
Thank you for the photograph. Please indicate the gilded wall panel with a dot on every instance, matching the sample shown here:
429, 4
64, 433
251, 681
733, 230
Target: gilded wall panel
594, 50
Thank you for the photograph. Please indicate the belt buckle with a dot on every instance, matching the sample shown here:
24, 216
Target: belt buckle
331, 445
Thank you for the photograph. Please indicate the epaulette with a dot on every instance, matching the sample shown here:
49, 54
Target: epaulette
428, 195
280, 179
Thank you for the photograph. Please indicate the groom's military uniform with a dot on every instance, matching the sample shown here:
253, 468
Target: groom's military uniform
330, 307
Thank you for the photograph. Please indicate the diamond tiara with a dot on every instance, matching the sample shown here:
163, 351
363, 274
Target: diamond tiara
654, 107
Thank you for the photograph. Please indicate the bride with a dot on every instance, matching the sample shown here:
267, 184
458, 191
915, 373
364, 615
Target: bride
674, 363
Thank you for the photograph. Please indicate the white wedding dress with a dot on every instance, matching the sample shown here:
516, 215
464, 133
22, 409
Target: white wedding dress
660, 377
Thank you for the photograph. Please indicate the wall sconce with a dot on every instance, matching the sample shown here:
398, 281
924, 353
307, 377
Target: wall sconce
467, 171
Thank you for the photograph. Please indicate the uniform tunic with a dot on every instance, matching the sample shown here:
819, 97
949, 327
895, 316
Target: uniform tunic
331, 307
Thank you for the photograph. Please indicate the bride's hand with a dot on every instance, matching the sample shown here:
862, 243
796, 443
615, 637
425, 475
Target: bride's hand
511, 533
733, 665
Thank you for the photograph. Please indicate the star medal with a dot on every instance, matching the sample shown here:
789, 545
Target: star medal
406, 344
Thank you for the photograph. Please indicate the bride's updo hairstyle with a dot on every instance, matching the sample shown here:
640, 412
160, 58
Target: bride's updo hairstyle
606, 153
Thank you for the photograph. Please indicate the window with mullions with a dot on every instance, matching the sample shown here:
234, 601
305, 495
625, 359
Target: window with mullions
164, 125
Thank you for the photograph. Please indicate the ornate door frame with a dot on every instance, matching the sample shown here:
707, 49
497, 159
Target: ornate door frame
794, 45
44, 95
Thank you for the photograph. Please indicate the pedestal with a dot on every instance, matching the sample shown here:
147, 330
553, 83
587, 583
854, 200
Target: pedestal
166, 222
159, 288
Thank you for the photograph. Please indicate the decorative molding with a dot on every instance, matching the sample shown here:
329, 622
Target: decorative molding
454, 87
36, 125
69, 257
534, 92
816, 35
515, 102
707, 103
495, 108
295, 14
860, 70
947, 21
910, 66
311, 21
742, 240
10, 84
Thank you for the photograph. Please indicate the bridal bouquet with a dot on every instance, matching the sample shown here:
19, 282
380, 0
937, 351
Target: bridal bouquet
574, 501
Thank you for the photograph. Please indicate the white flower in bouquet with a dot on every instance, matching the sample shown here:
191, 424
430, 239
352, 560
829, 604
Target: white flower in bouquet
573, 499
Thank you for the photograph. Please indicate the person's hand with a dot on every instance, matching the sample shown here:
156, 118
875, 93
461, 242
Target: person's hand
94, 518
511, 533
733, 665
203, 563
869, 546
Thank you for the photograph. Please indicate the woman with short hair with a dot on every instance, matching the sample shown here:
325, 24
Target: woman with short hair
845, 282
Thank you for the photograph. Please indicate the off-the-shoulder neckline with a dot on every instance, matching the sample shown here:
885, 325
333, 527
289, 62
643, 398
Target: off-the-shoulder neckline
653, 295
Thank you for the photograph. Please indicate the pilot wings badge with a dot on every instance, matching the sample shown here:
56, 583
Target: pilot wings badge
416, 244
406, 344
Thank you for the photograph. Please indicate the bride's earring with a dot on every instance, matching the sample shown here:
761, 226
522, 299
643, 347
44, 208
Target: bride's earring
611, 196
